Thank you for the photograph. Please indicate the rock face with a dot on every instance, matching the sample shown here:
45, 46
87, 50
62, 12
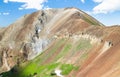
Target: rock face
67, 38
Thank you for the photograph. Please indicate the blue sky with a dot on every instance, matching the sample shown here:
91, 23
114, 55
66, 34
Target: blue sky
106, 11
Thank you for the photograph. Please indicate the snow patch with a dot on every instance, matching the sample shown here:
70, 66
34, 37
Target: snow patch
58, 73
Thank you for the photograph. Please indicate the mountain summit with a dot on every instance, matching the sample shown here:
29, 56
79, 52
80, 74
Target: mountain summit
63, 42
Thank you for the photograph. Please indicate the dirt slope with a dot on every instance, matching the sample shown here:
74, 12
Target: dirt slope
59, 39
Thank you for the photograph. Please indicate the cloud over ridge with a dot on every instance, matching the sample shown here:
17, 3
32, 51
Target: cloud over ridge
29, 4
106, 6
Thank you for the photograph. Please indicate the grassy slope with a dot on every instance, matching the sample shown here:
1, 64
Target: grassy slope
44, 66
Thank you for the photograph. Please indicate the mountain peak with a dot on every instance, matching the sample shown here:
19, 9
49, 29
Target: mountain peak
67, 39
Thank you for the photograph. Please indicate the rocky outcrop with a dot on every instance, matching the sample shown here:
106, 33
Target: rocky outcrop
33, 49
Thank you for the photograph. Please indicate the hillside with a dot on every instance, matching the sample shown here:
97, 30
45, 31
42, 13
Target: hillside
64, 40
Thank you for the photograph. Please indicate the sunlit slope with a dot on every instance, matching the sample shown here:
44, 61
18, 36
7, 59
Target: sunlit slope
67, 39
33, 33
64, 54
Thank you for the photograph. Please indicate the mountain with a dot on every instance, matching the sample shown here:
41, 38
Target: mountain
63, 42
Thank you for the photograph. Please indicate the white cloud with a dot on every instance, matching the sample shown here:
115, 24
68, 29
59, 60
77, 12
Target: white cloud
29, 4
47, 8
106, 6
5, 1
83, 1
98, 0
6, 13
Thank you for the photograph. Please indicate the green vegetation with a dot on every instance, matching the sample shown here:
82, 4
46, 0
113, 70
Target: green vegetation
83, 45
84, 56
91, 21
64, 51
44, 56
42, 70
67, 68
